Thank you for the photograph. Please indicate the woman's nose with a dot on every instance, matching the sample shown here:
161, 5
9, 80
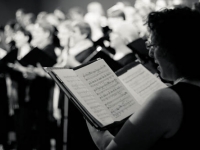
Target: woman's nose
151, 52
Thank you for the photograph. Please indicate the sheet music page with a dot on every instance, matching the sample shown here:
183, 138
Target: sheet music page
141, 83
109, 89
2, 53
87, 98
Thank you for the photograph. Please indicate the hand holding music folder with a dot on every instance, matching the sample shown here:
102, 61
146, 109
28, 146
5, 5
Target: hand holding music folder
104, 99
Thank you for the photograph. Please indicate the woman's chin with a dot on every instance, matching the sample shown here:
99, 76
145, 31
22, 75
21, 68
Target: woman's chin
159, 68
161, 72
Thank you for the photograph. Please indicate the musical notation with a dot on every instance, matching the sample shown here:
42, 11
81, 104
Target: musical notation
141, 83
108, 88
84, 95
98, 71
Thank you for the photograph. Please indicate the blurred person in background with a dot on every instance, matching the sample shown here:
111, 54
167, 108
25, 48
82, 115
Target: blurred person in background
97, 8
176, 3
43, 38
160, 4
40, 89
22, 40
133, 16
60, 14
64, 34
75, 14
52, 19
18, 79
81, 44
143, 8
29, 18
19, 16
123, 34
93, 19
129, 46
41, 16
115, 16
9, 30
3, 45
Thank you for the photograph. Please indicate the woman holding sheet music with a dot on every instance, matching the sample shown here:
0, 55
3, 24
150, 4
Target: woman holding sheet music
168, 119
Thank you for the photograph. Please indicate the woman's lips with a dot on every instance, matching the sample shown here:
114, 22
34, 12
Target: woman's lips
156, 61
158, 68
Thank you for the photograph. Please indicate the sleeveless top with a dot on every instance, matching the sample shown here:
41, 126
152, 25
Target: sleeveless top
188, 134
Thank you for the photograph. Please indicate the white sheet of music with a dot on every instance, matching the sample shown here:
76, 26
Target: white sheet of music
109, 89
87, 98
2, 53
141, 83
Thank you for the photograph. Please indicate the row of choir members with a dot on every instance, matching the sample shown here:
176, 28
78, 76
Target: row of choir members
76, 47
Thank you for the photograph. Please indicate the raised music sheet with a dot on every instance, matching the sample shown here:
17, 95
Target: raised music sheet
141, 83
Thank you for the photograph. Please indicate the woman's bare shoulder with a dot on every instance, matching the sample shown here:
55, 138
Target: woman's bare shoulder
162, 111
164, 96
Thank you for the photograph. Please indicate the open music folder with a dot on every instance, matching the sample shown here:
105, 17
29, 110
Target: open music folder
104, 98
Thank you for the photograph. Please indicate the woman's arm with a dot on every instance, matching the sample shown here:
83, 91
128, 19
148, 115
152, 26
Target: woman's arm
159, 117
100, 138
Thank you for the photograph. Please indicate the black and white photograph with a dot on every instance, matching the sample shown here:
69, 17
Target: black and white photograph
99, 74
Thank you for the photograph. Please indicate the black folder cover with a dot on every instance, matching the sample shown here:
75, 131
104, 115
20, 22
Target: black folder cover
138, 46
11, 57
38, 56
104, 54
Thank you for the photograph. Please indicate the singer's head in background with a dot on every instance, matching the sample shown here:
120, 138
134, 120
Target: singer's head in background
174, 42
42, 34
22, 37
115, 16
81, 31
64, 33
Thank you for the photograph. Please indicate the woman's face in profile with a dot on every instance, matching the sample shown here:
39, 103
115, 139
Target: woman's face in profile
160, 57
20, 39
77, 36
63, 35
39, 35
